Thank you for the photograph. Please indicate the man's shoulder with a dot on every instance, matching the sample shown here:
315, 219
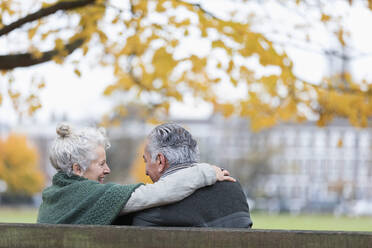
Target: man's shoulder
223, 187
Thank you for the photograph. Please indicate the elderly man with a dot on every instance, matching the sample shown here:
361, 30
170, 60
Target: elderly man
169, 149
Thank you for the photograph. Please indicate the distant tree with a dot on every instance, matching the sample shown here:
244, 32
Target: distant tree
143, 42
19, 166
138, 167
253, 168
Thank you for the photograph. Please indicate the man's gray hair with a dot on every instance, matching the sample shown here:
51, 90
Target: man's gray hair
174, 142
76, 146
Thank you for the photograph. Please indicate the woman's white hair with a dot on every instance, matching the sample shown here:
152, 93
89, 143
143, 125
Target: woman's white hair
76, 146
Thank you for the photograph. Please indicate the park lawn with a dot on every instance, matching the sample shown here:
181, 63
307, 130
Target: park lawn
18, 215
311, 222
260, 220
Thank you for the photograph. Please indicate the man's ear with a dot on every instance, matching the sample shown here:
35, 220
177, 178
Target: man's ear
76, 169
162, 162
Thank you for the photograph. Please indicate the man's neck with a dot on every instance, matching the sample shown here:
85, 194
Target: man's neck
176, 167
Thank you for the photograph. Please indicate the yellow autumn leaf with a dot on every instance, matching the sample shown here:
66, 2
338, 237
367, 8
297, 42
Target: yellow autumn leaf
45, 4
230, 66
77, 72
109, 90
153, 121
32, 108
174, 43
218, 43
270, 81
85, 49
59, 44
35, 53
58, 59
340, 36
234, 81
287, 111
163, 62
185, 22
160, 7
102, 36
325, 18
263, 122
227, 109
31, 33
116, 19
41, 85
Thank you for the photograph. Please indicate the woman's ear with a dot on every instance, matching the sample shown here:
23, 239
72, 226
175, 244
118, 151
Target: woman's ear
76, 169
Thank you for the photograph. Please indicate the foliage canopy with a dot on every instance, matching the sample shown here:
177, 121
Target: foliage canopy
144, 42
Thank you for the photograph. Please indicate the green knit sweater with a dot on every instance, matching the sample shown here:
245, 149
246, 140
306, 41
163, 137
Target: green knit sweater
77, 200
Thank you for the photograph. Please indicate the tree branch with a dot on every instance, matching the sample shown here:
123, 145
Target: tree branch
346, 91
307, 46
199, 6
44, 12
131, 74
8, 62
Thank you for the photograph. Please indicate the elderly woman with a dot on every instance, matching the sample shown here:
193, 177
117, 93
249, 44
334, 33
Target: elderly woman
78, 196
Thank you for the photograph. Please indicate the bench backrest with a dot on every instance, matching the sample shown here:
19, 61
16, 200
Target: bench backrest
55, 236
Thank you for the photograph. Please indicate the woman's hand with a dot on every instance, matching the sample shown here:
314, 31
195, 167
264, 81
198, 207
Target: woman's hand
222, 174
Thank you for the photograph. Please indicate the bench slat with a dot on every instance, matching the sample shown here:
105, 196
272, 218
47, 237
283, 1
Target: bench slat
83, 236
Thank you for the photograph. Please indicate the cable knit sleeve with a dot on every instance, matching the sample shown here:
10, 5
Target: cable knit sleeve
170, 189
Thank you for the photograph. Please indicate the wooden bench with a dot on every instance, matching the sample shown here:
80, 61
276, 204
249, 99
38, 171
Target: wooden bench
85, 236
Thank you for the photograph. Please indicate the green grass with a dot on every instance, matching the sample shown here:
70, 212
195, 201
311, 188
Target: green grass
311, 222
18, 215
260, 220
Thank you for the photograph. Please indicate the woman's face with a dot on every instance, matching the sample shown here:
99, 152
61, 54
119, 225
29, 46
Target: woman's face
98, 169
